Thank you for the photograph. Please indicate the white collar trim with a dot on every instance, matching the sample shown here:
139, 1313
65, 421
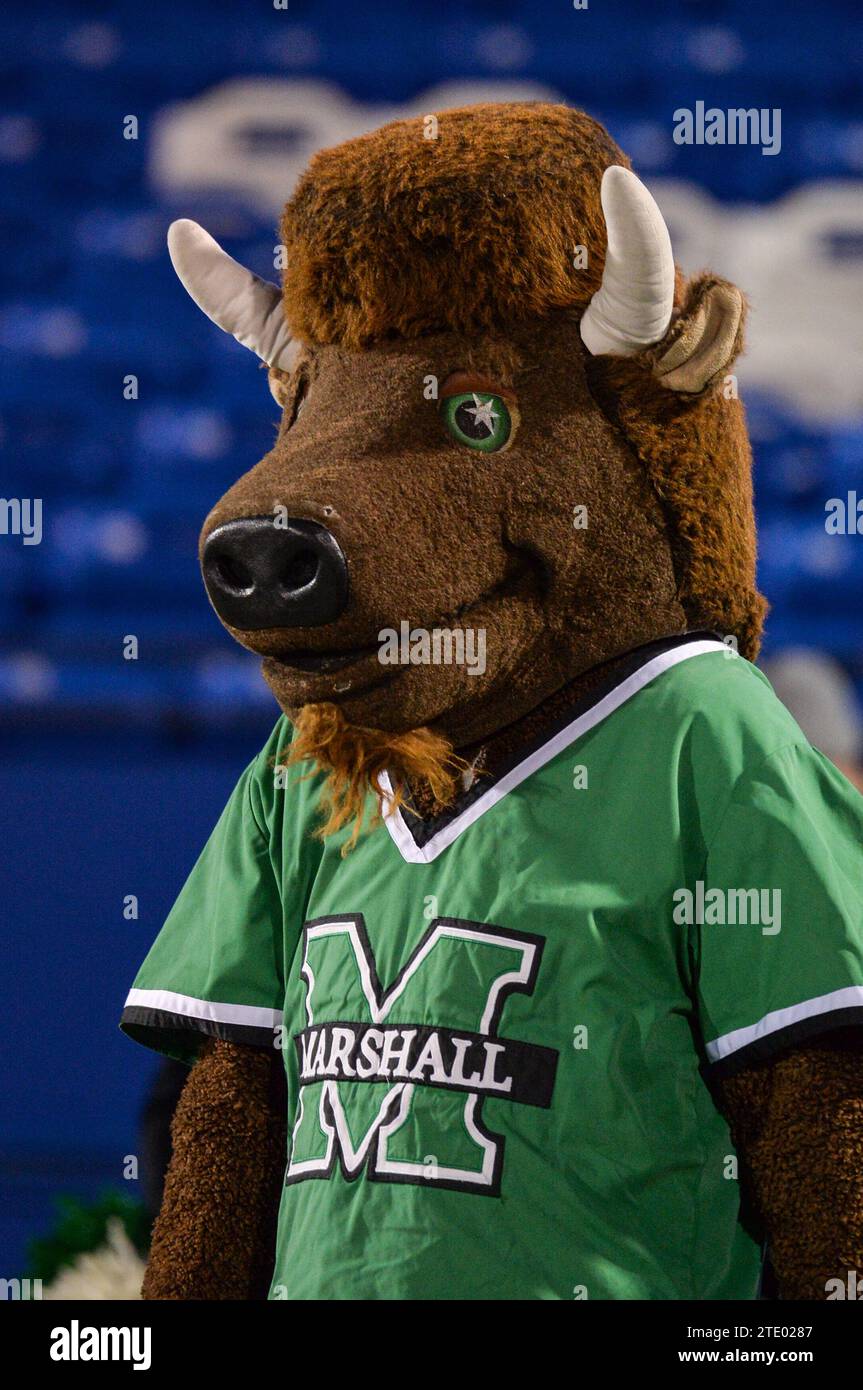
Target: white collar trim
412, 853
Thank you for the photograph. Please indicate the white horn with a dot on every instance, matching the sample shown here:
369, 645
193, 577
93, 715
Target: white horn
632, 307
238, 301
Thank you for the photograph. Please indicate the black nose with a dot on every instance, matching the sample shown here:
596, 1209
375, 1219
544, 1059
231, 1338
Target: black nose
260, 574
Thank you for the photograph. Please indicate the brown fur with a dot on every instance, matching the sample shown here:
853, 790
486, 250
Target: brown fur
394, 235
798, 1125
355, 758
215, 1235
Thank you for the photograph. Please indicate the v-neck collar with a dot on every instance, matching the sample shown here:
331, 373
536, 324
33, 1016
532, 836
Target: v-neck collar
419, 841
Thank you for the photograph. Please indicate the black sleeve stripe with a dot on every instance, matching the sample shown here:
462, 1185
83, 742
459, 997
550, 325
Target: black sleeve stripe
179, 1034
782, 1039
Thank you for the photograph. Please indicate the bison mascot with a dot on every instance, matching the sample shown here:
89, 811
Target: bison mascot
537, 914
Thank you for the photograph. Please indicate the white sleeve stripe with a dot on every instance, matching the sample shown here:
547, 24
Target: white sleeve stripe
164, 1000
849, 998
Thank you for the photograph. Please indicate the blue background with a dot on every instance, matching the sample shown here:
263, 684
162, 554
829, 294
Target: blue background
113, 772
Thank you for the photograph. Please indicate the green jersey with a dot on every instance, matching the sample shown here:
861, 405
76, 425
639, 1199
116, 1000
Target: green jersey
500, 1028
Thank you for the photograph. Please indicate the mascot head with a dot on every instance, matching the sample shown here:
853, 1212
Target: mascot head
510, 446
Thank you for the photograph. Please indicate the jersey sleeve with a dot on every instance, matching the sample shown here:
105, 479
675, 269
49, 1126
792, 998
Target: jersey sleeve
216, 968
778, 929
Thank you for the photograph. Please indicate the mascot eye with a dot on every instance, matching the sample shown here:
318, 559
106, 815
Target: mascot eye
478, 419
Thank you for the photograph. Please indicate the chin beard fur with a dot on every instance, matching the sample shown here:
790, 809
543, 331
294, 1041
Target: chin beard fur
353, 758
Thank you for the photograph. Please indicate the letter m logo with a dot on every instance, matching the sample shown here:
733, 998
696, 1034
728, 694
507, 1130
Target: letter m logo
393, 1081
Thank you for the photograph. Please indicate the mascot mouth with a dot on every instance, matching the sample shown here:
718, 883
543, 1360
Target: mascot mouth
323, 662
335, 674
306, 677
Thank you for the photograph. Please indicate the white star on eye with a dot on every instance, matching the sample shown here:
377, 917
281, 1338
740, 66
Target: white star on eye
482, 412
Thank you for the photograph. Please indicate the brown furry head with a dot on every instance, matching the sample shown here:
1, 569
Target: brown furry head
354, 760
620, 508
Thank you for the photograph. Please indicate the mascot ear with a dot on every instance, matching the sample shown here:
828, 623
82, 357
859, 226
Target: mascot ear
704, 339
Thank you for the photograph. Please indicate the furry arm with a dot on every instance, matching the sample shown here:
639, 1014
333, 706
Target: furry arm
215, 1235
797, 1123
